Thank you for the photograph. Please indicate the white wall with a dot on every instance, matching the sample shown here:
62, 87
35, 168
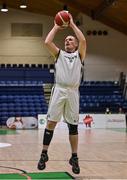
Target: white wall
21, 49
24, 49
106, 55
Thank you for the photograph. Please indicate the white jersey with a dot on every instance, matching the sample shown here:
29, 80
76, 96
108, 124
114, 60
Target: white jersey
65, 95
68, 69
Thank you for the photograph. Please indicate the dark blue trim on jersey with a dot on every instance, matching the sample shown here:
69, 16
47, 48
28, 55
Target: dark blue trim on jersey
82, 62
82, 69
57, 56
55, 66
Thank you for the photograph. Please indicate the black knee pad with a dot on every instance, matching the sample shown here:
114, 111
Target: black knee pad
73, 129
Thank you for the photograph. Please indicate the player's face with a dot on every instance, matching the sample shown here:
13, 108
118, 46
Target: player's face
70, 44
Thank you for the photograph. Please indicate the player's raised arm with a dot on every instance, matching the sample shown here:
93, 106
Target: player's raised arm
61, 21
80, 37
49, 40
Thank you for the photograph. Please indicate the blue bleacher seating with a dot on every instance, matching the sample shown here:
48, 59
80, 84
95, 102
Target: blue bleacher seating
95, 96
21, 90
21, 101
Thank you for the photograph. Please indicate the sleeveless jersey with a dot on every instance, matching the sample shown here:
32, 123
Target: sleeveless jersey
68, 69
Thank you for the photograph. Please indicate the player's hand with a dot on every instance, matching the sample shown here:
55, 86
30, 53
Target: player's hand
71, 20
58, 27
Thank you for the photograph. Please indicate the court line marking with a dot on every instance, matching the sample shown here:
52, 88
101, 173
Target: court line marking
24, 173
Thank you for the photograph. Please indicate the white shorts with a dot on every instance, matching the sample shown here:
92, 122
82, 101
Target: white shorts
64, 102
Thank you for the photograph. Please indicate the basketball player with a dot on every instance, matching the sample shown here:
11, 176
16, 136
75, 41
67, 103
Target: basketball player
65, 94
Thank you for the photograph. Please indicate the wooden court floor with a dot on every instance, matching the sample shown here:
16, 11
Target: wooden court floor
102, 153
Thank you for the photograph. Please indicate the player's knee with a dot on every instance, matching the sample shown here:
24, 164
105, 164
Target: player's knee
73, 129
51, 125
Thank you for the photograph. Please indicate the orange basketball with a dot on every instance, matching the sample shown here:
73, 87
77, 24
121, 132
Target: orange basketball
62, 18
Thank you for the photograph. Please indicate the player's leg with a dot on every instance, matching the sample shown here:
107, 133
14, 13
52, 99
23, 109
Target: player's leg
53, 116
73, 138
48, 134
72, 117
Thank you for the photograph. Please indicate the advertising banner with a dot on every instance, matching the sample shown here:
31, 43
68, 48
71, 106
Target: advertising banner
22, 123
95, 121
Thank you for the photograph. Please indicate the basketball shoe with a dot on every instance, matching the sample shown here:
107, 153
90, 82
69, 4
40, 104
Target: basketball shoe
42, 162
75, 165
